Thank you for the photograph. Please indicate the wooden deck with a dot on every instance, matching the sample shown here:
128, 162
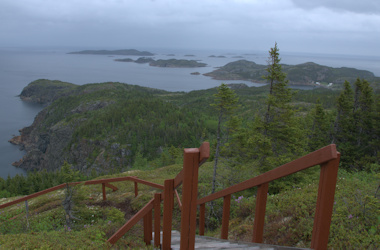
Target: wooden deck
204, 242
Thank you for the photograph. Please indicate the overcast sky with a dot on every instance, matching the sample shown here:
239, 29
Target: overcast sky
321, 26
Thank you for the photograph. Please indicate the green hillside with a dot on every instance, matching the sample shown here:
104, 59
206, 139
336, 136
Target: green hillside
301, 74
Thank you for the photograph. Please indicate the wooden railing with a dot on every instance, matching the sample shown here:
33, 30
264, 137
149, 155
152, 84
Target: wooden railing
188, 177
327, 158
105, 183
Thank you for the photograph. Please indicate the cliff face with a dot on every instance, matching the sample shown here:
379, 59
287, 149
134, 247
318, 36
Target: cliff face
49, 143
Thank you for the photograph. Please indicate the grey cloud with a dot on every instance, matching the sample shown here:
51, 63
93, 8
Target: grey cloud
356, 6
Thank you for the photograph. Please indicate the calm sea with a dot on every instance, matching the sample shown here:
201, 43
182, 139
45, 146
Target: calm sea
19, 67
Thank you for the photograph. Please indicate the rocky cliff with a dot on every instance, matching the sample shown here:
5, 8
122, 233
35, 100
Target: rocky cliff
49, 141
101, 126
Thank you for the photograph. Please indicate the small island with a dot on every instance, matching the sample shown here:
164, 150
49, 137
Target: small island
195, 73
170, 63
124, 60
125, 52
175, 63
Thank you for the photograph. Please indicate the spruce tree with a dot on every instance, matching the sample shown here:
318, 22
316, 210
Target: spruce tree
355, 126
277, 135
320, 134
363, 117
225, 102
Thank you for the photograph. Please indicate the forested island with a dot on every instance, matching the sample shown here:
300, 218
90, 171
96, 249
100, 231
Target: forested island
118, 129
169, 63
125, 52
301, 74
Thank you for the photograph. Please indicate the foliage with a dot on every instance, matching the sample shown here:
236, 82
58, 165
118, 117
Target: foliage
38, 180
225, 103
289, 214
276, 137
300, 74
355, 132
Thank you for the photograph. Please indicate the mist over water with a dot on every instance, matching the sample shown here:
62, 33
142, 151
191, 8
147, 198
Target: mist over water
19, 67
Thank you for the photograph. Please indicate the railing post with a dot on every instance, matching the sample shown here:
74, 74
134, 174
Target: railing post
104, 191
27, 214
189, 197
168, 210
261, 202
325, 203
136, 189
148, 228
202, 218
157, 220
226, 217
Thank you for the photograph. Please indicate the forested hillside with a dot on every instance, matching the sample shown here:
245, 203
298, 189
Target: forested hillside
301, 74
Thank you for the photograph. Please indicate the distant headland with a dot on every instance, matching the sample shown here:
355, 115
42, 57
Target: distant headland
124, 52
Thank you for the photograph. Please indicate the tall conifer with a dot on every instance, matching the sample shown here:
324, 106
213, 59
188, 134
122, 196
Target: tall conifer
277, 135
225, 102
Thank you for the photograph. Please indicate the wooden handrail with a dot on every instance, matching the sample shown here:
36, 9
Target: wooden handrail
327, 157
104, 182
318, 157
204, 154
136, 218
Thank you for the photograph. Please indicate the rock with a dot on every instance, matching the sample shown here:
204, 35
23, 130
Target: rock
16, 140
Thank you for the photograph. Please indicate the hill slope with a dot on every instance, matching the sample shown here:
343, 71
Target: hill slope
301, 74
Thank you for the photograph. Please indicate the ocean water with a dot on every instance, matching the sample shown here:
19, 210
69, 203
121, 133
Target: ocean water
20, 66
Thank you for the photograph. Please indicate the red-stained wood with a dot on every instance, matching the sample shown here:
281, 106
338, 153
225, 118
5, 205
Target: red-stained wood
226, 217
189, 198
202, 218
168, 213
28, 197
112, 187
104, 191
325, 203
127, 226
148, 228
148, 183
136, 189
157, 220
178, 179
315, 158
204, 151
178, 199
258, 223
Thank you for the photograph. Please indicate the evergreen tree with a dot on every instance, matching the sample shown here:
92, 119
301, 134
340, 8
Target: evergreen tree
320, 134
355, 129
225, 102
364, 116
277, 138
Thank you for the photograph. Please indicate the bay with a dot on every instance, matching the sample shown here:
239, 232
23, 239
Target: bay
20, 66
